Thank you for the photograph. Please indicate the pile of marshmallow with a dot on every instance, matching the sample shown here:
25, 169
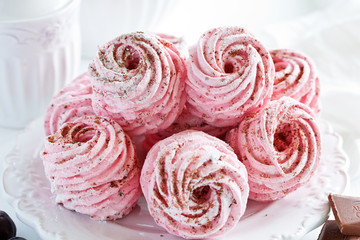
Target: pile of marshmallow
223, 122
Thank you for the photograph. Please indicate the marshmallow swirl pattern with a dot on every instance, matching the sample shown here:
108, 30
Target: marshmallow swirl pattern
280, 147
194, 185
179, 43
295, 77
138, 80
92, 168
229, 73
73, 101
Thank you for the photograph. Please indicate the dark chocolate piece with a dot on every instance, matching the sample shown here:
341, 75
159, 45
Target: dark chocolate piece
347, 213
331, 231
7, 226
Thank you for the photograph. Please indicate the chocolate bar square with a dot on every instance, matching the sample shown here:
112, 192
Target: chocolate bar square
347, 213
331, 231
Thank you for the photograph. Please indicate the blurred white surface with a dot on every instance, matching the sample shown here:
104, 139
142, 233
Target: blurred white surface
103, 20
18, 10
327, 31
278, 23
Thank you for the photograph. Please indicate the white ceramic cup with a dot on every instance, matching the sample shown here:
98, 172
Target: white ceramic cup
39, 53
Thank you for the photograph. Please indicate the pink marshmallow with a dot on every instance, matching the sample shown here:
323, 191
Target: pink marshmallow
73, 101
280, 147
138, 80
230, 73
194, 185
185, 121
92, 168
295, 77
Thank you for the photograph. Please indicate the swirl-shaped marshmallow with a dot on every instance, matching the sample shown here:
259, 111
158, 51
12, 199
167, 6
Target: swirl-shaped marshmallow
280, 147
138, 80
194, 185
73, 101
229, 73
295, 77
186, 121
179, 43
92, 168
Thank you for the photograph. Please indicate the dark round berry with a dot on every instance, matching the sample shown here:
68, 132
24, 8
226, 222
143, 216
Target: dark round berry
7, 226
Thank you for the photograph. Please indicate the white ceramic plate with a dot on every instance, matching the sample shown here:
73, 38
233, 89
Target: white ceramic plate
345, 120
289, 218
